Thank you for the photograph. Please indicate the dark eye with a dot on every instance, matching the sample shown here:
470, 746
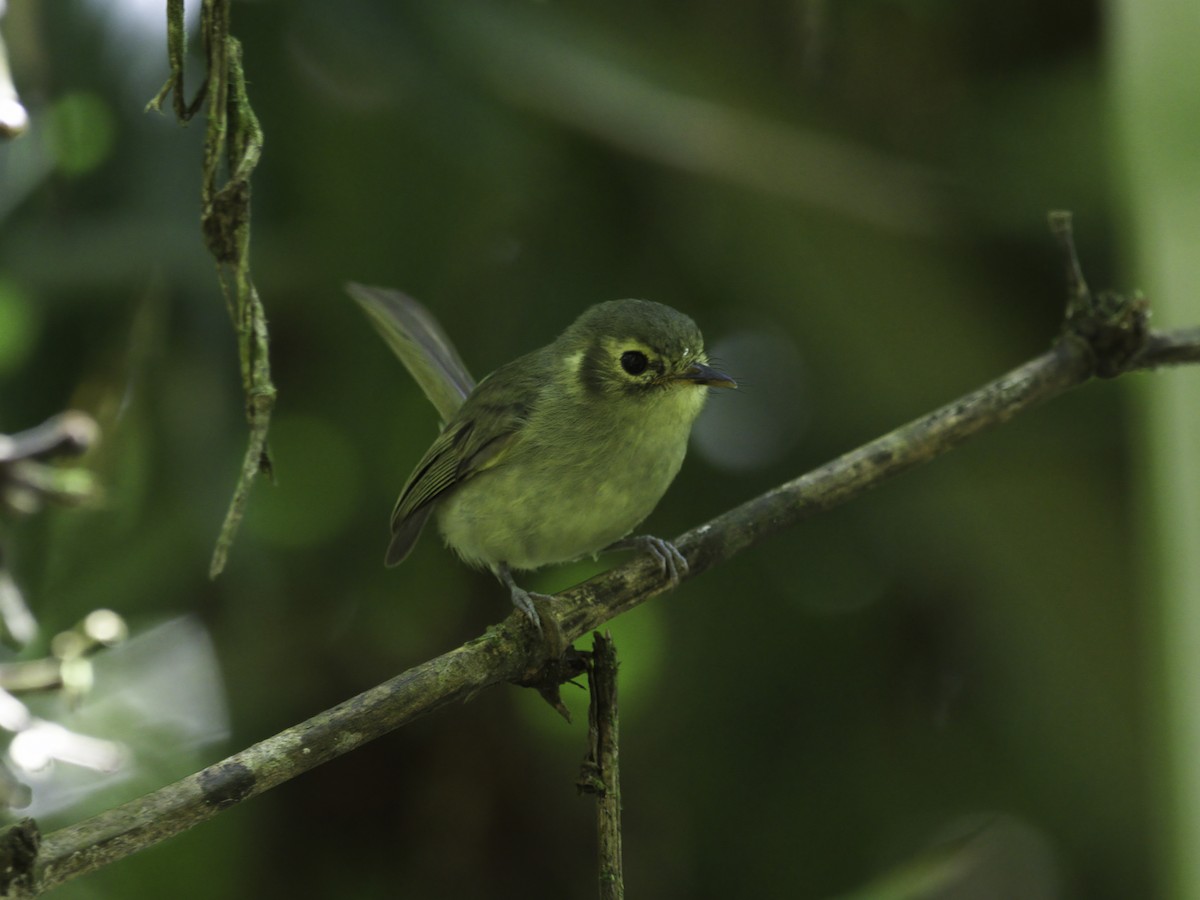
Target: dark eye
634, 362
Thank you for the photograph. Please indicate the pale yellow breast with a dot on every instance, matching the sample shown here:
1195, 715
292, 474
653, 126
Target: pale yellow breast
573, 484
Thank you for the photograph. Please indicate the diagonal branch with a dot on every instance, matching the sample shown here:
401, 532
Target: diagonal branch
1104, 335
511, 652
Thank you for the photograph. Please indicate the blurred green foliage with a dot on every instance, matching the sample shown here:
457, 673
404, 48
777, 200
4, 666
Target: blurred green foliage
959, 653
80, 127
18, 324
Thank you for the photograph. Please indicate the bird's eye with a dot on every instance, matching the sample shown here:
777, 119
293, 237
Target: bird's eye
634, 362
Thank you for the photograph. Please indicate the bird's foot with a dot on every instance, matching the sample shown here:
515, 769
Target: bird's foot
550, 633
561, 662
521, 598
672, 563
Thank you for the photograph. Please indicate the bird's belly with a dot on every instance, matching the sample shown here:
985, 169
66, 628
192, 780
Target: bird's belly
530, 514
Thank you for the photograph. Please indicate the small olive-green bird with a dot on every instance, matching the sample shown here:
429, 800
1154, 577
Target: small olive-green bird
559, 454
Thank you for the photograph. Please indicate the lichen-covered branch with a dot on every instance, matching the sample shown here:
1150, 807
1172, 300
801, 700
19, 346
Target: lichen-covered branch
1104, 334
511, 651
114, 834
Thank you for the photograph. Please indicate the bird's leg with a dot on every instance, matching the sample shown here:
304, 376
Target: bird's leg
673, 563
521, 598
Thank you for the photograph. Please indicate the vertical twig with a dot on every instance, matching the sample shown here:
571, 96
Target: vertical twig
226, 224
600, 773
1079, 296
176, 52
1112, 326
233, 143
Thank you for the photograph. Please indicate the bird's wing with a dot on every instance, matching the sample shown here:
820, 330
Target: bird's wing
415, 336
478, 438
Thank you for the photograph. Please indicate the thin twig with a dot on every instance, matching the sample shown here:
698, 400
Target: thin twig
1168, 348
600, 773
233, 143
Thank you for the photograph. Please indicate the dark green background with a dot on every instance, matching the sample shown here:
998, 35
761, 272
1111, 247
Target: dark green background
961, 651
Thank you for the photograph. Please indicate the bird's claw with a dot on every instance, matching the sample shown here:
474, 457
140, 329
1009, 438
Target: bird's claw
674, 564
523, 600
550, 633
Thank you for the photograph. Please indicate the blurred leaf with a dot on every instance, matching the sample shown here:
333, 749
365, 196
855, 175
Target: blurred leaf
82, 132
19, 326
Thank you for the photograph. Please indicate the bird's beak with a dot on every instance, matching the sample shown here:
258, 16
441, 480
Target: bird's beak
699, 373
